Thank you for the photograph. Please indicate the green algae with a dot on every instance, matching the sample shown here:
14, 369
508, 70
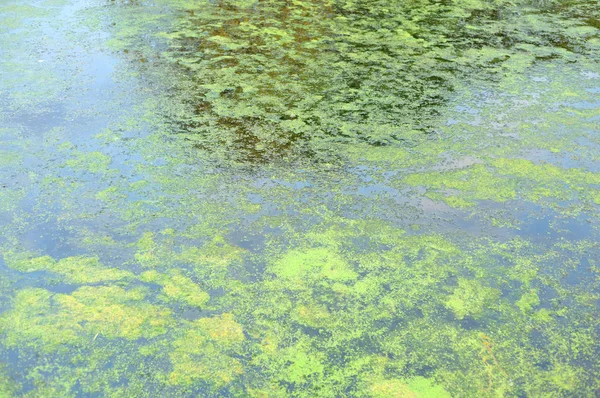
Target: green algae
415, 388
8, 387
94, 162
146, 254
216, 253
528, 302
210, 350
48, 321
471, 298
316, 288
10, 198
502, 180
320, 261
271, 79
177, 287
9, 158
202, 352
80, 269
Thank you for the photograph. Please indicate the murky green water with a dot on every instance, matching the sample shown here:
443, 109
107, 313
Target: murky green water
280, 198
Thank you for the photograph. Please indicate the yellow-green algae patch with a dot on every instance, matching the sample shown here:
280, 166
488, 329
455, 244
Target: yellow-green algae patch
471, 298
320, 262
528, 301
48, 320
160, 252
151, 254
504, 179
206, 351
312, 315
177, 287
94, 162
310, 333
10, 198
216, 253
77, 269
8, 387
320, 305
9, 158
418, 387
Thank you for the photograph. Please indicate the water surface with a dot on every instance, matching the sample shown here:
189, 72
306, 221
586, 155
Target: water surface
299, 198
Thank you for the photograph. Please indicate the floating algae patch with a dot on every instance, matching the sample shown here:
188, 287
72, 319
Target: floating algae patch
47, 320
216, 253
79, 269
442, 318
149, 254
501, 180
10, 198
261, 81
8, 387
207, 351
415, 388
471, 298
322, 262
9, 158
252, 227
94, 162
177, 287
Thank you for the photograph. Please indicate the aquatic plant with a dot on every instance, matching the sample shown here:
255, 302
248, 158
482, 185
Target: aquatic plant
275, 199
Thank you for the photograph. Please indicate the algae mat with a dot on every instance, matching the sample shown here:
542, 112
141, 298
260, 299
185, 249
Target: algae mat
281, 198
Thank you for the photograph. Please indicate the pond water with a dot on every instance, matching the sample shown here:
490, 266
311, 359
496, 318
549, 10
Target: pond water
325, 198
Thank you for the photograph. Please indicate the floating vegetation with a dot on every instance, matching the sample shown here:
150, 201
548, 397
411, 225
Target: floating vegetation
261, 81
299, 199
508, 179
78, 270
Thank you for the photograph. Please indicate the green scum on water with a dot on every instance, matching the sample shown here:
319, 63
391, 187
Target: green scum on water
292, 198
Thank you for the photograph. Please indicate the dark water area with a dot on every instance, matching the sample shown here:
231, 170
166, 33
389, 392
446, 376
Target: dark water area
279, 198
